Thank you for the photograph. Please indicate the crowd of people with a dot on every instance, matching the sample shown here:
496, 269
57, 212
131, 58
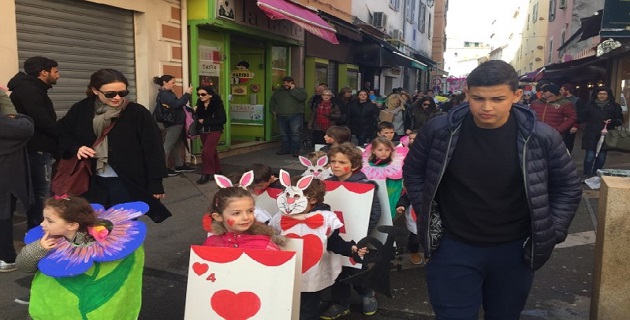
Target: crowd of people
422, 147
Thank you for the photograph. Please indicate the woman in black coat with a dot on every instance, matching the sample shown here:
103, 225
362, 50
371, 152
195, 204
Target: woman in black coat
363, 118
599, 111
421, 111
129, 164
210, 114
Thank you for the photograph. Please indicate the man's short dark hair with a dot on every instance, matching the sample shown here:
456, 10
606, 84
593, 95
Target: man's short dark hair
493, 73
287, 79
34, 65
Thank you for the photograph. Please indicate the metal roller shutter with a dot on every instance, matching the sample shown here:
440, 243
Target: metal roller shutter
82, 37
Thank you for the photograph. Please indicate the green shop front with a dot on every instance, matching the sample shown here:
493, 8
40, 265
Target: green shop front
243, 54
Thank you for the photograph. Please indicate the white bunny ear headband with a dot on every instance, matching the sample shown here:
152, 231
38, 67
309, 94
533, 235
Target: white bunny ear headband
246, 180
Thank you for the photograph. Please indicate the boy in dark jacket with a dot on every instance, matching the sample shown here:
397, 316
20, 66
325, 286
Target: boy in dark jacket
345, 163
495, 190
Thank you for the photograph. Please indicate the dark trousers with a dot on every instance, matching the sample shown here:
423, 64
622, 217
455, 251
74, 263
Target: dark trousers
7, 250
309, 305
209, 154
41, 169
412, 243
569, 140
461, 278
107, 192
341, 292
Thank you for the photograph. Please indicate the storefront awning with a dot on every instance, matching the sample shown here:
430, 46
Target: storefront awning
530, 76
305, 18
380, 53
588, 68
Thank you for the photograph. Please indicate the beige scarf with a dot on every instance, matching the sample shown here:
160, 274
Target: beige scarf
102, 119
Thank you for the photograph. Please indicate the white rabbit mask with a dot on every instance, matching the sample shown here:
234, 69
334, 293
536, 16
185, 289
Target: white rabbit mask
318, 170
246, 179
292, 200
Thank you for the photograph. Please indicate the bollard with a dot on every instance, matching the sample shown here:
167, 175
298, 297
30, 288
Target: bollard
611, 288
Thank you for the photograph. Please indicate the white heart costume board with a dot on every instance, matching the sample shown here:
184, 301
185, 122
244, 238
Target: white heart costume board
234, 283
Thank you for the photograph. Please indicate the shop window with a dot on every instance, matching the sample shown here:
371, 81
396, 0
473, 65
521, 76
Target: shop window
332, 76
353, 79
279, 65
321, 73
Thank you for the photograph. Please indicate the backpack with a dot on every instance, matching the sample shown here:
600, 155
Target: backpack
163, 113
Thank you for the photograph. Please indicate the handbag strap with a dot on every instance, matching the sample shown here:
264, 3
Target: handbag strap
103, 134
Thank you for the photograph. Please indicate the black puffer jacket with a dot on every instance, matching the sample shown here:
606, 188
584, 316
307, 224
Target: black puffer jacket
362, 118
552, 183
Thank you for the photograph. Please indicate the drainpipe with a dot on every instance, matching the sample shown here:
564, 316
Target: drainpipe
185, 63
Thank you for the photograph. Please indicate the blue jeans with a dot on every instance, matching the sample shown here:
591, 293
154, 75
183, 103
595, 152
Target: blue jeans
40, 164
462, 277
592, 164
291, 131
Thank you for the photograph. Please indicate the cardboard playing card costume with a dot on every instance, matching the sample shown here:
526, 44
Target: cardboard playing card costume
100, 279
234, 283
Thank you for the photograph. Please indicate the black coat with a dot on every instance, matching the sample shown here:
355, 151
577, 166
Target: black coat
14, 170
551, 180
135, 148
213, 117
30, 97
362, 118
593, 116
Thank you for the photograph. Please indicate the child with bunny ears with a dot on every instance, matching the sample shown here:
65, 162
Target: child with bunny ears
233, 222
316, 164
303, 214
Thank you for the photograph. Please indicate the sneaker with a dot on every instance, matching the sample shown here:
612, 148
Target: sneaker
369, 304
23, 300
7, 267
172, 173
334, 311
184, 168
416, 258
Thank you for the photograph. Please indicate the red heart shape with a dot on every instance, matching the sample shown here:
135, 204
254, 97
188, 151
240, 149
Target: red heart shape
235, 306
312, 251
200, 268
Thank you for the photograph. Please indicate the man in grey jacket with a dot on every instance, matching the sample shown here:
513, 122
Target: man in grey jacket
287, 106
495, 190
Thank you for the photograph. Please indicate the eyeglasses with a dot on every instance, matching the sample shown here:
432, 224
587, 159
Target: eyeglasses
113, 94
426, 104
202, 94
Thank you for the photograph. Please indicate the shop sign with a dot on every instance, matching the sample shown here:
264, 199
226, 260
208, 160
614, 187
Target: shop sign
247, 13
251, 114
208, 68
241, 74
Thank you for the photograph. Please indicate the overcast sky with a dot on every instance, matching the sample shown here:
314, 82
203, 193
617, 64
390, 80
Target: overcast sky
472, 19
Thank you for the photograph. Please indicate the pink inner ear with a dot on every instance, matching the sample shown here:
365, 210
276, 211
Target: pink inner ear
247, 178
322, 161
304, 182
285, 178
305, 162
222, 181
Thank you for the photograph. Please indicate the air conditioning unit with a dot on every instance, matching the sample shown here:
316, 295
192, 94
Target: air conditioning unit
379, 20
398, 34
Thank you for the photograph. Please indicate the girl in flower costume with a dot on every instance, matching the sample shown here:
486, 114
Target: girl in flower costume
383, 161
88, 261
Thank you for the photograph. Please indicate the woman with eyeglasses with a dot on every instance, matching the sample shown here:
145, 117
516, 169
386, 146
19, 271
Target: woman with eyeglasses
210, 114
174, 132
128, 165
422, 110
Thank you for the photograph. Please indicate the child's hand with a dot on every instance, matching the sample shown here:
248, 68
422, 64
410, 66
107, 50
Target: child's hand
400, 209
47, 243
361, 252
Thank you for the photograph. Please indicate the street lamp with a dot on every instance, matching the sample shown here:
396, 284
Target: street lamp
430, 3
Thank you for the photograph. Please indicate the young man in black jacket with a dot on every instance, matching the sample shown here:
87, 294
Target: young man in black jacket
30, 97
495, 190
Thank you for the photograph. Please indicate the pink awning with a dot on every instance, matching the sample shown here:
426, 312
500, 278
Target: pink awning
307, 19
